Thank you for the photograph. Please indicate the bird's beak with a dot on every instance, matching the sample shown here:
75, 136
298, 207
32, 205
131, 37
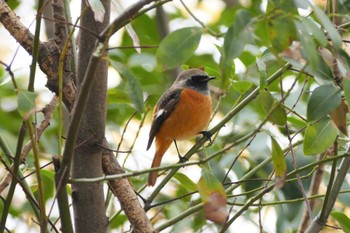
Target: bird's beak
209, 78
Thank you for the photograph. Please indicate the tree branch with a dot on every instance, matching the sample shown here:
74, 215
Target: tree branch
129, 14
319, 222
17, 159
47, 111
48, 56
122, 189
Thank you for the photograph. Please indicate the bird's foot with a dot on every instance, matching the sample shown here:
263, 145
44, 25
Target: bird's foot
182, 159
207, 135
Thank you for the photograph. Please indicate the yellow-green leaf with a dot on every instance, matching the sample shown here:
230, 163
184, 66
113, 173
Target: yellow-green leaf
281, 31
346, 87
278, 160
319, 136
186, 182
269, 103
178, 46
26, 102
242, 86
343, 220
213, 196
262, 71
133, 85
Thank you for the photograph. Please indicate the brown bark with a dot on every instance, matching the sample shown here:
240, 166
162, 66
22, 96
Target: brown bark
88, 198
49, 54
122, 188
90, 215
314, 186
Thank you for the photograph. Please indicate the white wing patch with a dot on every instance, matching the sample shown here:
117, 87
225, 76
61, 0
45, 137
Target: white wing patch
159, 113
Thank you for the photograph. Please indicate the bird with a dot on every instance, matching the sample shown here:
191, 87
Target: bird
182, 112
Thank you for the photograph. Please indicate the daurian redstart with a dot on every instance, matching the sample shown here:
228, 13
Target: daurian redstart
182, 112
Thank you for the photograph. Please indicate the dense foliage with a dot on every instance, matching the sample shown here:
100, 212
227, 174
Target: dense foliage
279, 128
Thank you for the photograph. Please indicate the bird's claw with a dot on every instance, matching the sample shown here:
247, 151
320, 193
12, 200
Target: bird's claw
207, 135
183, 159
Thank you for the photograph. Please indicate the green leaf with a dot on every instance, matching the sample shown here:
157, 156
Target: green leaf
281, 32
296, 121
116, 95
242, 86
247, 58
301, 4
328, 25
13, 4
186, 182
129, 28
133, 85
211, 72
343, 220
268, 102
208, 184
48, 179
278, 160
343, 62
308, 46
286, 6
233, 45
322, 70
98, 9
227, 69
237, 35
319, 136
262, 71
178, 46
346, 87
135, 92
213, 196
117, 221
315, 31
323, 100
26, 102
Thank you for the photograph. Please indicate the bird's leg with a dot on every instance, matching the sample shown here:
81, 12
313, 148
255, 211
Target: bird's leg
207, 135
181, 158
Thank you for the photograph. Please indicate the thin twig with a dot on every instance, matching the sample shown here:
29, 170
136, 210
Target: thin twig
47, 111
124, 131
43, 217
314, 186
210, 31
7, 203
318, 223
134, 47
137, 134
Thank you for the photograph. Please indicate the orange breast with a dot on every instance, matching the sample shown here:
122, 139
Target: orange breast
190, 116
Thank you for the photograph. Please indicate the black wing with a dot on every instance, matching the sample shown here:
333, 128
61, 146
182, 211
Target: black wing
165, 106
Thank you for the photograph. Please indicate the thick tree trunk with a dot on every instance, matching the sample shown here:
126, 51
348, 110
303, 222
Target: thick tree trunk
88, 198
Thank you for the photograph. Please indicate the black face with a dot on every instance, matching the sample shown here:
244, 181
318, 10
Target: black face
199, 83
200, 79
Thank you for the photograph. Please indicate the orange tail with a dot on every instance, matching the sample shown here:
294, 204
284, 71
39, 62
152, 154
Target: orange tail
161, 147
